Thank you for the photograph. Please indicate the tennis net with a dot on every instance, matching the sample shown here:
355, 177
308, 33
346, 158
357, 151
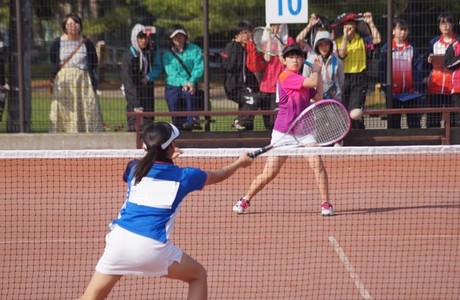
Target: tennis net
395, 233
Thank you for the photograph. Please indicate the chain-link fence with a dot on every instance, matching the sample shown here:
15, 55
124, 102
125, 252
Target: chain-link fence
109, 25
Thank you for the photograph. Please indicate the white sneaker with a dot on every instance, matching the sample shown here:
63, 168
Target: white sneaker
238, 126
327, 209
240, 206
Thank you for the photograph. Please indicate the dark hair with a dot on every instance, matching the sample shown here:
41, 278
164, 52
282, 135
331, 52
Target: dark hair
400, 23
445, 17
76, 18
153, 137
242, 26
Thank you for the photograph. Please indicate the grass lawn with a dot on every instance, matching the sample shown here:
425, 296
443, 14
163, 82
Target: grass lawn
113, 111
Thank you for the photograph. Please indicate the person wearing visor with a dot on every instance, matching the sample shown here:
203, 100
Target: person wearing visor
183, 63
141, 65
138, 243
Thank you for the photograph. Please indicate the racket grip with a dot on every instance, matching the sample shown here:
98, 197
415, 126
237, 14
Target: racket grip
258, 152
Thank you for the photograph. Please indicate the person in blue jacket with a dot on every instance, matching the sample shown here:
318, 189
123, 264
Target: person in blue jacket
138, 243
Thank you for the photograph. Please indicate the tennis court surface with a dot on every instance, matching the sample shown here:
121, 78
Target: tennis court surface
395, 233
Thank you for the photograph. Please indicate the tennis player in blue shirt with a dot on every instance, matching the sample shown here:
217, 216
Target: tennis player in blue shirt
138, 243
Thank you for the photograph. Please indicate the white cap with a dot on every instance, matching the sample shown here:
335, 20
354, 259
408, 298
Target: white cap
176, 32
174, 135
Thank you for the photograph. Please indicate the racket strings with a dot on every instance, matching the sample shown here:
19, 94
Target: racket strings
267, 42
326, 123
331, 123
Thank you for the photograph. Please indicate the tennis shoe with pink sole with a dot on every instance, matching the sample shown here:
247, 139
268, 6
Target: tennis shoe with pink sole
327, 209
240, 206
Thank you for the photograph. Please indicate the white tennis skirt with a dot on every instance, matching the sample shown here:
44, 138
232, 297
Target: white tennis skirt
287, 139
127, 253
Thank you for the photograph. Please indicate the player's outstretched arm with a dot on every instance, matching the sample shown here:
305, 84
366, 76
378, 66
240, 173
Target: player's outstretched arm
223, 173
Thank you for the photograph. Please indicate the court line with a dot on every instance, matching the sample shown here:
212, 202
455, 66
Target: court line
354, 276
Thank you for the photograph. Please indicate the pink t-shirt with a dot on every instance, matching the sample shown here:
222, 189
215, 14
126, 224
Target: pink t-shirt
293, 99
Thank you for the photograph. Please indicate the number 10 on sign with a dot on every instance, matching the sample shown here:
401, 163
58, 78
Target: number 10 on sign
286, 11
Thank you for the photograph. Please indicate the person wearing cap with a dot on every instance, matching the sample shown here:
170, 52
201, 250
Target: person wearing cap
353, 49
138, 242
140, 67
332, 73
296, 93
184, 68
74, 102
440, 78
407, 74
240, 84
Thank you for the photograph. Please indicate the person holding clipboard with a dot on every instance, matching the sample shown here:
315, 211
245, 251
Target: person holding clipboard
407, 74
440, 79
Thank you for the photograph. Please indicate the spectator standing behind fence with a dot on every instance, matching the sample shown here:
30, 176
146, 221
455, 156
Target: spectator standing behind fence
4, 88
452, 62
183, 64
332, 73
407, 74
240, 84
272, 67
353, 48
141, 65
74, 102
440, 79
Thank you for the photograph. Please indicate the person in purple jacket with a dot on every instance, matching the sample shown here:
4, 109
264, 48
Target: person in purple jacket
138, 243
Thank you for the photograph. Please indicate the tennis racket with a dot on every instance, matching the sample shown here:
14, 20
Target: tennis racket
267, 41
322, 123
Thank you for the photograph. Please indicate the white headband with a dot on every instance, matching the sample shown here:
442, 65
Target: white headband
174, 134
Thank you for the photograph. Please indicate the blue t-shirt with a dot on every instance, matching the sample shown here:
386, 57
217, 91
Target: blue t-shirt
152, 205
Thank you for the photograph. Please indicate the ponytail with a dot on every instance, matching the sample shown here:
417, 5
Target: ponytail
157, 139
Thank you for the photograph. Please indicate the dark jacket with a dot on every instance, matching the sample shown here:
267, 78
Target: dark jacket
131, 75
237, 77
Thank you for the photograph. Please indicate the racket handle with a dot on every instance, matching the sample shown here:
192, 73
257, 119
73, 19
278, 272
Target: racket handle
258, 152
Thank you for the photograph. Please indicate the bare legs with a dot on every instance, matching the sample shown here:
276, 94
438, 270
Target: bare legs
316, 163
100, 286
192, 272
188, 270
273, 166
271, 169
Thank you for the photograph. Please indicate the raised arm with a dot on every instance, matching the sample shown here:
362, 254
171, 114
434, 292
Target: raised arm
311, 23
376, 38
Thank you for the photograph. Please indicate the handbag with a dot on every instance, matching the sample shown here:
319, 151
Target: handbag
199, 93
53, 76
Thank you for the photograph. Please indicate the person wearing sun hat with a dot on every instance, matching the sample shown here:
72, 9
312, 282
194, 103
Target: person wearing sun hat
352, 47
184, 68
139, 239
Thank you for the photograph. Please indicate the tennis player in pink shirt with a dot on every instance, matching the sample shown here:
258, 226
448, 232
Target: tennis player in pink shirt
296, 93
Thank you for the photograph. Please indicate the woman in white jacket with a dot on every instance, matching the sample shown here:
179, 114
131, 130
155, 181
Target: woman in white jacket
332, 70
